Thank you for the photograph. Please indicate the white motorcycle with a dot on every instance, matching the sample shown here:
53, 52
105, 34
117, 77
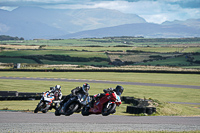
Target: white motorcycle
45, 101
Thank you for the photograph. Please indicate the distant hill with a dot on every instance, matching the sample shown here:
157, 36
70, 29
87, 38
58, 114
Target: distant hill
34, 22
141, 29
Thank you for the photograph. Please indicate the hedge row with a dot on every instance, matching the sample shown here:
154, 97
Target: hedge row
100, 70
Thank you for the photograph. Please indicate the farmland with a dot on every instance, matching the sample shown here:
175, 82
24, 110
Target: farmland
105, 52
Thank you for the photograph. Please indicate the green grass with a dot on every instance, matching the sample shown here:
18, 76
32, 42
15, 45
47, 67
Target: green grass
180, 79
105, 48
110, 42
176, 61
192, 49
102, 63
16, 60
157, 49
53, 52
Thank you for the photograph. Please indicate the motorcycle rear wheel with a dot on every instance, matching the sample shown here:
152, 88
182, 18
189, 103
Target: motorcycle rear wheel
44, 111
57, 112
107, 111
70, 109
85, 111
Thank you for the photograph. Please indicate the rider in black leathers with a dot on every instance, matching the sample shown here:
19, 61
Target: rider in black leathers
78, 90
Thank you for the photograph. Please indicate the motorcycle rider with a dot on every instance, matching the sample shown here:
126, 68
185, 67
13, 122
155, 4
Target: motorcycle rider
83, 90
118, 89
56, 92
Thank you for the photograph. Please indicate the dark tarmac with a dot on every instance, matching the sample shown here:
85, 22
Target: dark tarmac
30, 122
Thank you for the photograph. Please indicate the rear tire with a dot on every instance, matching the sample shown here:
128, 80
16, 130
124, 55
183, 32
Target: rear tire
85, 111
57, 112
107, 111
44, 111
70, 109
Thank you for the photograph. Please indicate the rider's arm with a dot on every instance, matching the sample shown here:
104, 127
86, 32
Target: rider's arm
60, 95
75, 90
108, 90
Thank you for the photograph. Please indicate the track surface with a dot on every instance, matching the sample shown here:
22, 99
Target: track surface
30, 122
102, 81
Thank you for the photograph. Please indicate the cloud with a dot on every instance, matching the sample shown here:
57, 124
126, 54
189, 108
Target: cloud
8, 8
156, 11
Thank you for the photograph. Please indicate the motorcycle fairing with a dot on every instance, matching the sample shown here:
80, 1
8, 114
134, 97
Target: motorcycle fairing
98, 105
47, 97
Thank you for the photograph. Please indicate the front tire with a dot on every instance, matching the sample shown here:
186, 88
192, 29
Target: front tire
107, 111
38, 107
36, 110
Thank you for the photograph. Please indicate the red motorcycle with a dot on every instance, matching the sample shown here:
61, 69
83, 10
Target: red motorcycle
105, 105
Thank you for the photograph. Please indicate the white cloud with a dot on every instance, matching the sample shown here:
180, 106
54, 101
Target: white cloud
8, 8
156, 11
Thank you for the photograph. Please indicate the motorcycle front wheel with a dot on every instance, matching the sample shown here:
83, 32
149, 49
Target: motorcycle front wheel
108, 109
71, 108
38, 108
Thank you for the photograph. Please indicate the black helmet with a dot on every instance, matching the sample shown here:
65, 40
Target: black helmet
119, 89
86, 87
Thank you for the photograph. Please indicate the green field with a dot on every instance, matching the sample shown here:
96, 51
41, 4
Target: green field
112, 41
105, 52
163, 94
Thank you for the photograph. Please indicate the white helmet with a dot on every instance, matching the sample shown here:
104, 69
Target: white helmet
57, 87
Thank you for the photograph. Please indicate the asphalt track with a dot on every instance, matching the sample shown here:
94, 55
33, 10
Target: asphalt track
102, 81
30, 122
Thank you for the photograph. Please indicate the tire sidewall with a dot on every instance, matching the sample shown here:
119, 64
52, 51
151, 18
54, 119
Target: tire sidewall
85, 111
68, 111
111, 110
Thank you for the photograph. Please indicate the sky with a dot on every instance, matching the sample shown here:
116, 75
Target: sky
154, 11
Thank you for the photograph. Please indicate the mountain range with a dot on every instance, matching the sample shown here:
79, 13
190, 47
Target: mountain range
35, 22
